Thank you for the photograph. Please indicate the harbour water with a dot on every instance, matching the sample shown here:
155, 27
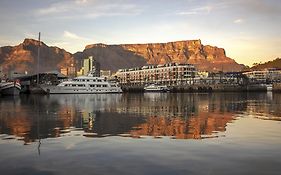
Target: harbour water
142, 133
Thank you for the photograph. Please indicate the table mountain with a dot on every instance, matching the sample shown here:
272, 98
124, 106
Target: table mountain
111, 57
23, 57
207, 58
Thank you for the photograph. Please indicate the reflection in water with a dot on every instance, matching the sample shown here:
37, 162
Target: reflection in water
180, 116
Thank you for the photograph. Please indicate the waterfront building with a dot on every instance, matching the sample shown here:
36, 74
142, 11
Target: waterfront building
213, 78
264, 76
90, 64
167, 74
69, 71
105, 73
63, 71
1, 72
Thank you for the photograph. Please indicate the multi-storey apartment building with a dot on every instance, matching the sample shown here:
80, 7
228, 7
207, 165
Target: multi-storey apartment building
89, 65
266, 75
168, 74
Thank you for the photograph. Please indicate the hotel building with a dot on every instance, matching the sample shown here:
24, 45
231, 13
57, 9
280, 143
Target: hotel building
168, 74
266, 75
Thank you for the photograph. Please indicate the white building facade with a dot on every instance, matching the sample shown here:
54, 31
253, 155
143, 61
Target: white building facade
167, 74
266, 75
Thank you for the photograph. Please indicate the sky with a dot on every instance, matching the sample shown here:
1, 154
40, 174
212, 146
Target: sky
248, 30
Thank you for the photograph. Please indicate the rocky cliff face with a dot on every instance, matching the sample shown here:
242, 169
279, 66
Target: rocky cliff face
207, 58
204, 57
23, 57
111, 57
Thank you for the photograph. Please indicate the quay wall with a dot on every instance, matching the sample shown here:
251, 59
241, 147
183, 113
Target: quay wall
193, 88
276, 87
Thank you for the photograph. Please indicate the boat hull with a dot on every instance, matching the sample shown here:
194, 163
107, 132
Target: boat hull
69, 90
11, 90
155, 88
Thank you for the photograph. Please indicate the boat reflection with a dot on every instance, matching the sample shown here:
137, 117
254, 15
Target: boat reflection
179, 116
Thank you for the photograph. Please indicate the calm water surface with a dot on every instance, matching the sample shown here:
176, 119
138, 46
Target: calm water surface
151, 133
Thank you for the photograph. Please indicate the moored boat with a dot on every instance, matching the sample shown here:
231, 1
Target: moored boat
268, 87
83, 85
156, 88
10, 88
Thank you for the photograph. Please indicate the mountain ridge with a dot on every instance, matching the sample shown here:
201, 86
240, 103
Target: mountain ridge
209, 58
23, 57
276, 63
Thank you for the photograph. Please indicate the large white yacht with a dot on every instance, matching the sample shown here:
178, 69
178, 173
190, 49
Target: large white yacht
83, 85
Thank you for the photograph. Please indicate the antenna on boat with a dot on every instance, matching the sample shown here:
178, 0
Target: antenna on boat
38, 56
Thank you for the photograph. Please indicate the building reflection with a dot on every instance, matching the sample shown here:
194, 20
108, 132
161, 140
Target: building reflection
203, 126
179, 116
267, 109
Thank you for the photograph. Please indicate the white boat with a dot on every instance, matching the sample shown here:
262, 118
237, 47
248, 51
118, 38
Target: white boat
10, 87
83, 85
156, 88
268, 87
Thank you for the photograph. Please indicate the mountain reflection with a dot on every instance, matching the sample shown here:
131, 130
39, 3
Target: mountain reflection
179, 116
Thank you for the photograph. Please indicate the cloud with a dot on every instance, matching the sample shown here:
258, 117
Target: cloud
260, 6
54, 9
238, 21
269, 7
63, 43
70, 35
81, 1
78, 9
199, 10
30, 35
187, 13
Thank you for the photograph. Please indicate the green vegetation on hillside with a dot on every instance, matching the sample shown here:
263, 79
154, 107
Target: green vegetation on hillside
270, 64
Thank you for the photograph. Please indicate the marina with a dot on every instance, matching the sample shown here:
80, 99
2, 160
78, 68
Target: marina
128, 87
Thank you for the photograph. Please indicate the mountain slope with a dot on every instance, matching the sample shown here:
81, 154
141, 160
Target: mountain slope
23, 57
111, 57
270, 64
207, 58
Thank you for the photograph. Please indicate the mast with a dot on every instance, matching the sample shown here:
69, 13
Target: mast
38, 58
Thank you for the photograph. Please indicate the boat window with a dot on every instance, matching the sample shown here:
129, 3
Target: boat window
99, 80
98, 85
92, 85
104, 85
